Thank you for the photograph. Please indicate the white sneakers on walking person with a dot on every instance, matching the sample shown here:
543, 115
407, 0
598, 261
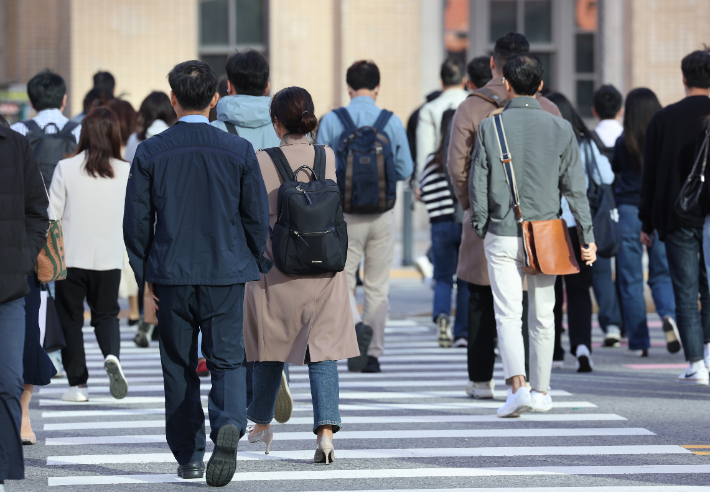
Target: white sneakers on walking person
584, 359
481, 391
76, 394
541, 402
707, 355
116, 380
696, 373
516, 403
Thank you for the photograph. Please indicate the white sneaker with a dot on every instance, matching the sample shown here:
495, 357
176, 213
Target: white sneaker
584, 359
707, 355
75, 393
424, 267
460, 342
517, 403
116, 380
541, 403
696, 373
558, 364
613, 336
482, 391
636, 353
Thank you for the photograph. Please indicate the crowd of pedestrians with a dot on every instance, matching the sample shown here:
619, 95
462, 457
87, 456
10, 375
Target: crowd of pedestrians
238, 227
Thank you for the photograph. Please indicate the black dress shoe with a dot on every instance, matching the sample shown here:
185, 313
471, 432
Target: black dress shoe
223, 463
194, 469
373, 365
363, 333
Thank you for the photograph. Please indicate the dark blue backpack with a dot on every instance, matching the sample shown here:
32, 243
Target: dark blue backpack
365, 166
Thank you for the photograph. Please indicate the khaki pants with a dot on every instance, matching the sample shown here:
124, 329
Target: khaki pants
372, 236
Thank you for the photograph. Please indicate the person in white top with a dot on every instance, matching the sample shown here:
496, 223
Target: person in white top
87, 196
429, 131
155, 115
607, 105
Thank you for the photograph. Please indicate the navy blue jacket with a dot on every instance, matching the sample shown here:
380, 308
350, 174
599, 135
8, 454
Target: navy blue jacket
205, 189
628, 185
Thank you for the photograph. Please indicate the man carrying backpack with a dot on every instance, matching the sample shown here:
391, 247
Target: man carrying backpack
369, 188
51, 134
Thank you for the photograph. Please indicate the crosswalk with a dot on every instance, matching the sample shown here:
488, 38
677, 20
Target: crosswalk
410, 427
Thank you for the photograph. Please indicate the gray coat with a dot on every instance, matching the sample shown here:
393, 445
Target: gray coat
547, 165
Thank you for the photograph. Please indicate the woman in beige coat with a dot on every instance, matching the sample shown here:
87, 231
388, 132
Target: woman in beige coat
294, 318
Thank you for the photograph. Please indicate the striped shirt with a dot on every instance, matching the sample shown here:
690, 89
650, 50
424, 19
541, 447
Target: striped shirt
436, 193
44, 118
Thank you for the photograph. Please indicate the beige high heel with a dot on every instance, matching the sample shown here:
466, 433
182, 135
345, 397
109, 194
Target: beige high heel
29, 440
325, 453
266, 436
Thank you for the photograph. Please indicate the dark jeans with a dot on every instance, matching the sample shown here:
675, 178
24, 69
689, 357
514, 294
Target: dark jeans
684, 248
12, 341
579, 304
217, 311
482, 333
100, 289
606, 294
445, 242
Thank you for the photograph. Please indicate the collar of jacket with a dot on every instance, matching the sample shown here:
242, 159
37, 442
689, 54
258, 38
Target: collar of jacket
524, 102
294, 139
498, 81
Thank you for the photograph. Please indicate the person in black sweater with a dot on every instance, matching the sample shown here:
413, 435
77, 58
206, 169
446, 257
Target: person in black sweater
669, 151
627, 164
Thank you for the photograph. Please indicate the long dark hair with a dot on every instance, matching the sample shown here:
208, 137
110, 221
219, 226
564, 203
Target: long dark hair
641, 104
293, 108
126, 117
571, 115
101, 139
155, 107
440, 153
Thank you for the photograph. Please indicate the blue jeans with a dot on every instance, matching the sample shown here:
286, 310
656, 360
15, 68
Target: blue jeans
12, 342
605, 294
630, 277
325, 393
686, 264
445, 242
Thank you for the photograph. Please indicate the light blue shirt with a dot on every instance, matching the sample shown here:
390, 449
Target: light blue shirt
363, 111
195, 118
605, 175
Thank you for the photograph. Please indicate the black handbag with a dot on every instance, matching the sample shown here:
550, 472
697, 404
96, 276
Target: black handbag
53, 333
688, 204
605, 215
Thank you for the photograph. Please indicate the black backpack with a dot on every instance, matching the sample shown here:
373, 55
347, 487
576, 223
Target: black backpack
310, 236
50, 148
605, 215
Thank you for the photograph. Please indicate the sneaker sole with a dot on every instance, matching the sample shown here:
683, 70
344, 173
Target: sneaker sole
541, 409
76, 400
612, 342
223, 463
445, 338
584, 364
672, 342
520, 409
694, 382
284, 402
364, 338
479, 396
117, 382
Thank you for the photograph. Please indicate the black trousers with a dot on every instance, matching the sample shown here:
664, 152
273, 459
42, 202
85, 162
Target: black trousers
100, 289
579, 304
217, 311
482, 333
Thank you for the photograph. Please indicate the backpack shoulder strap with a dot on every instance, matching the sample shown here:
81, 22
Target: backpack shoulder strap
33, 126
382, 120
345, 118
232, 128
281, 163
488, 95
69, 127
319, 161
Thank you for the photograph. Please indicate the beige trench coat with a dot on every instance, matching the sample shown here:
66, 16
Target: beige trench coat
285, 314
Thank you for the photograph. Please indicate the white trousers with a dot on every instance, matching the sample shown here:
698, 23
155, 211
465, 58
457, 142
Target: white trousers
505, 268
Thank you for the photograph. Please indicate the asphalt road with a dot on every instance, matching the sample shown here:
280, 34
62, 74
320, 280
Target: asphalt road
621, 428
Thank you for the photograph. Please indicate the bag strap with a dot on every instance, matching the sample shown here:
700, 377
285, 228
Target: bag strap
281, 163
345, 118
382, 120
703, 150
490, 96
591, 163
232, 128
69, 127
507, 159
44, 185
319, 162
33, 126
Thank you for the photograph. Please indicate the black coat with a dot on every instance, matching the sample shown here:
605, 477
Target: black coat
23, 214
205, 188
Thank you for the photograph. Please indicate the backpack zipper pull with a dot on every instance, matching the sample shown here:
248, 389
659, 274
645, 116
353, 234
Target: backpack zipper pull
308, 198
301, 238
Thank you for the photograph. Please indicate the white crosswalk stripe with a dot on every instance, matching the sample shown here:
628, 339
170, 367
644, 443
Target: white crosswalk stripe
415, 409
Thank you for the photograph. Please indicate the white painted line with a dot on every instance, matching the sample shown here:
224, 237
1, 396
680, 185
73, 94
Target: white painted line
407, 419
603, 488
360, 454
333, 474
65, 414
403, 434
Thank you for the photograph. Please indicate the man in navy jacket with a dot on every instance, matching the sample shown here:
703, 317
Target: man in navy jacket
195, 226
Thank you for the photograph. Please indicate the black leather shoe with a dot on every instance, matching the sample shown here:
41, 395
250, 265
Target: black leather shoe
373, 365
364, 337
223, 463
194, 469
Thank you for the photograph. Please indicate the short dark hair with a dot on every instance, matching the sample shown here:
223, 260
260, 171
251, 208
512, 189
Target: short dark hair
607, 102
696, 69
248, 71
479, 71
46, 90
451, 72
194, 84
524, 73
363, 74
511, 44
96, 97
104, 80
293, 107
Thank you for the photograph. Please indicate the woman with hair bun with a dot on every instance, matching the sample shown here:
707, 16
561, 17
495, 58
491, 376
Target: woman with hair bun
293, 318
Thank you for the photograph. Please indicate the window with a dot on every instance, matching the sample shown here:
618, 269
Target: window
230, 25
585, 25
